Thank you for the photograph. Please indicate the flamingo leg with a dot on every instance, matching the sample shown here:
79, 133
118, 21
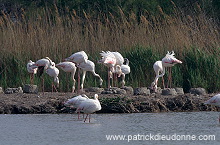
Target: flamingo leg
32, 78
78, 80
89, 117
163, 82
83, 79
86, 117
219, 119
78, 115
108, 77
112, 77
123, 79
115, 79
52, 87
170, 77
43, 84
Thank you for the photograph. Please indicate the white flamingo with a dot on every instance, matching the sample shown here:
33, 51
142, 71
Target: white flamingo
111, 60
119, 62
123, 70
168, 62
69, 67
88, 66
215, 100
52, 71
77, 58
158, 68
42, 65
89, 106
75, 102
32, 71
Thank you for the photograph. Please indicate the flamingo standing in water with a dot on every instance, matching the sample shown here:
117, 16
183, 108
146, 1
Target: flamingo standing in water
69, 67
78, 58
159, 66
75, 102
89, 106
215, 100
32, 71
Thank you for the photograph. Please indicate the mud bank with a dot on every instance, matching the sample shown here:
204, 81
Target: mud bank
24, 103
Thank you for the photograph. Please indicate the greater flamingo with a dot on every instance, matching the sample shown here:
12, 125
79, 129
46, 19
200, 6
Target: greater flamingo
111, 60
78, 58
52, 71
89, 106
168, 62
75, 102
69, 67
31, 70
215, 100
88, 66
42, 65
158, 68
123, 70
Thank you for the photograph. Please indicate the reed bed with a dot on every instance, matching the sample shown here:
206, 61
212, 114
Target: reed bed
143, 40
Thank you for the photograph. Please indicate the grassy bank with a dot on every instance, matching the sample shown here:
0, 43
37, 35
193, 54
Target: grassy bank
143, 40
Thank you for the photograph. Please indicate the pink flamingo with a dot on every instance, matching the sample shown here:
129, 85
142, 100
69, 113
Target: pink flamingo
111, 60
159, 67
168, 62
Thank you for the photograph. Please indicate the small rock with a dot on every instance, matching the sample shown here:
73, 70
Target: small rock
169, 91
179, 91
28, 88
128, 89
94, 89
1, 90
197, 91
113, 90
142, 91
13, 90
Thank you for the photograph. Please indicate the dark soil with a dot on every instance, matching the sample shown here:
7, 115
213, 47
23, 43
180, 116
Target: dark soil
22, 103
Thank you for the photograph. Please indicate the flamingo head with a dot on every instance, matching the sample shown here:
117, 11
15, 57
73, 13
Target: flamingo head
96, 96
154, 86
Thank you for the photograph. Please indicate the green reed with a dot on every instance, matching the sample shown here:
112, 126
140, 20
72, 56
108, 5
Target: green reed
143, 40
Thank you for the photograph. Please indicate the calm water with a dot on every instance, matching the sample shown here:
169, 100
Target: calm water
65, 129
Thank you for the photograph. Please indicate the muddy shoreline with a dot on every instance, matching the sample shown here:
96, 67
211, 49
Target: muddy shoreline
25, 103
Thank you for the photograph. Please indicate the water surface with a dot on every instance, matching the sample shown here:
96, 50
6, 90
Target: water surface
66, 129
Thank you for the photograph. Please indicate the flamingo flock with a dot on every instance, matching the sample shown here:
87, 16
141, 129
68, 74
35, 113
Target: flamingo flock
117, 66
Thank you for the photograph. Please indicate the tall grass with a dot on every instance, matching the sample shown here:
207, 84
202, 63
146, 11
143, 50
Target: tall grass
143, 40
